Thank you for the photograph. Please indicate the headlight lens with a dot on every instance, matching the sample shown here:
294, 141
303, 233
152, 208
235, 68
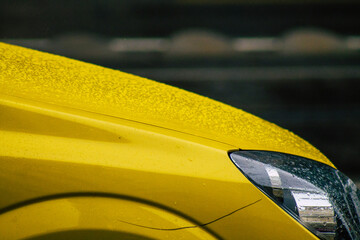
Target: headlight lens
320, 197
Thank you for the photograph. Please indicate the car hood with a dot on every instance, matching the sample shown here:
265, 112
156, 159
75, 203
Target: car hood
65, 82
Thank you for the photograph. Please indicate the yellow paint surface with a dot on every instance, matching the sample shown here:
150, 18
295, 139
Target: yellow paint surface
133, 151
64, 82
112, 215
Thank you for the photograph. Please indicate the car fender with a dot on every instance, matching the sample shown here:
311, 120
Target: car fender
84, 216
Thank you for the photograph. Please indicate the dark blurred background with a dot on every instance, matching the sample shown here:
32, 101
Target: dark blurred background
293, 62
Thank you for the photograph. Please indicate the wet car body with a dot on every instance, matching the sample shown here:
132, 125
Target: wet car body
90, 152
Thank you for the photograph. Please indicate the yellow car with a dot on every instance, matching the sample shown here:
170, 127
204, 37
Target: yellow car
93, 153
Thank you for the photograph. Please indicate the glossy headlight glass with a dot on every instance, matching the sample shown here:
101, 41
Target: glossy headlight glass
320, 197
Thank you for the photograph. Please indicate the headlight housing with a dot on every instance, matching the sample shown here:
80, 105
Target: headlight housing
320, 197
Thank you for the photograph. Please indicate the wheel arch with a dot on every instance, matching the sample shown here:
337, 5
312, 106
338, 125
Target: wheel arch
95, 214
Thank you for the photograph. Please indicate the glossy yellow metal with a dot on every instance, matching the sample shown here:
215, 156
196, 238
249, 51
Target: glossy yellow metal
112, 215
69, 83
78, 163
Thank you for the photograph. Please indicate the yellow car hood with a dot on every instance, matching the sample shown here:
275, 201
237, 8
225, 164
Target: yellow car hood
69, 83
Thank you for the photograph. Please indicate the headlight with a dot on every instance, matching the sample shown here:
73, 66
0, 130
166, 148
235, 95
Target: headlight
320, 197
